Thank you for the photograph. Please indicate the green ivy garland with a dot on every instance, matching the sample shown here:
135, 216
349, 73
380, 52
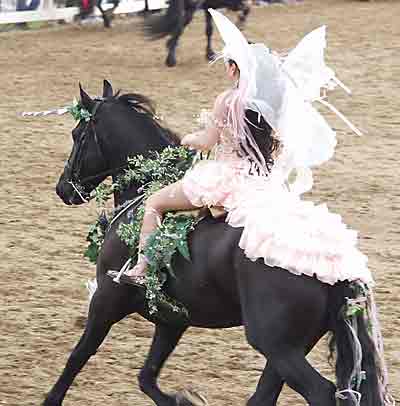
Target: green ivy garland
79, 112
154, 173
351, 310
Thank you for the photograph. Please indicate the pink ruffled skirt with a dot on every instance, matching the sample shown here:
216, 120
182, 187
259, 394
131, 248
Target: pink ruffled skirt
278, 226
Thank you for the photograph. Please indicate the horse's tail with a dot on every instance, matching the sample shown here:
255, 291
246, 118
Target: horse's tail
361, 375
156, 27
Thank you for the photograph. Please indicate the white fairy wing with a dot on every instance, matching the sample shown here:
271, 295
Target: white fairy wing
305, 132
305, 65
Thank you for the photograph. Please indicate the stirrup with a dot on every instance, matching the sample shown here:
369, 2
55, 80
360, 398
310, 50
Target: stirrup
117, 275
138, 281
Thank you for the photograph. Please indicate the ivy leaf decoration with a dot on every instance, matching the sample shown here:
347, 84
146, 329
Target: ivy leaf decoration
91, 253
183, 249
95, 238
354, 310
79, 112
152, 174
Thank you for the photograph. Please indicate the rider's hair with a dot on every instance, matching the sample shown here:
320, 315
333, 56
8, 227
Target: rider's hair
261, 131
263, 136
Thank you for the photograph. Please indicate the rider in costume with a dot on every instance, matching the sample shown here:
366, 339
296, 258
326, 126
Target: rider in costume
264, 131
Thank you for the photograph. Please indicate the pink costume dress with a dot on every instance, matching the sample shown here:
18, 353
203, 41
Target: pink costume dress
278, 225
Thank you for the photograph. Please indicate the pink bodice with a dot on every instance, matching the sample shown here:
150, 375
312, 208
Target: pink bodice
227, 148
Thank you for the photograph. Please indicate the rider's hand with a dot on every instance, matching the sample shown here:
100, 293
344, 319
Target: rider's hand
195, 141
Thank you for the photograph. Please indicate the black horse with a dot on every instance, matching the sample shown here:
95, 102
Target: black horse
284, 315
180, 13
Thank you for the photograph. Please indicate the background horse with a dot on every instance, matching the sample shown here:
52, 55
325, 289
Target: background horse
180, 13
284, 315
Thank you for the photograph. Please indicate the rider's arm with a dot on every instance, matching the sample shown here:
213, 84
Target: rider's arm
206, 139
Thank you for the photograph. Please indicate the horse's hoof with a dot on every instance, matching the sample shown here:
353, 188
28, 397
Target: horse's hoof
48, 402
189, 397
210, 55
170, 62
107, 18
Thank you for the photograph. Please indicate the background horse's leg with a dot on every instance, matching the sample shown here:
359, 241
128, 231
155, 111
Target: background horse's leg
164, 342
268, 389
110, 12
189, 11
107, 14
103, 313
209, 31
243, 13
172, 43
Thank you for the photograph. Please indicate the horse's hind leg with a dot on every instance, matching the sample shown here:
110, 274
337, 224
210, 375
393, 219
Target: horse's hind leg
164, 342
270, 384
107, 14
268, 389
284, 316
209, 31
243, 13
304, 379
103, 313
172, 43
290, 365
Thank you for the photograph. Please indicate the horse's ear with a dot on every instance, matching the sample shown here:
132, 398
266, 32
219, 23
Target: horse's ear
107, 89
86, 100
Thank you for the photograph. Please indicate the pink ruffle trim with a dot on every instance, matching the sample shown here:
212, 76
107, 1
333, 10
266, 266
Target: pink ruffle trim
213, 183
278, 226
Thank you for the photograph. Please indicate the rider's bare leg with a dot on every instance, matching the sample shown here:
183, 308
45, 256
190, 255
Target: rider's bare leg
169, 198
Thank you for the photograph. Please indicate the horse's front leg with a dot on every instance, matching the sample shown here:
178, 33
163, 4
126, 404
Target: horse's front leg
164, 342
209, 31
103, 313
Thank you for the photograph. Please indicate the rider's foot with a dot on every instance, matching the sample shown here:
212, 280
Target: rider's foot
135, 280
135, 276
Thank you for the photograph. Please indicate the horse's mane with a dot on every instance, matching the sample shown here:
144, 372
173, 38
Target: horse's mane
145, 106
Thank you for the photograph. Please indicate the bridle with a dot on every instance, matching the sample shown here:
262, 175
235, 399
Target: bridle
74, 164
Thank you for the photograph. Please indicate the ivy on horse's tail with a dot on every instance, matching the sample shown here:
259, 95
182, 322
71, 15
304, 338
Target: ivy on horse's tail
356, 338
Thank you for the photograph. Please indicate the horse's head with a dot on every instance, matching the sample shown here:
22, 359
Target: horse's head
110, 129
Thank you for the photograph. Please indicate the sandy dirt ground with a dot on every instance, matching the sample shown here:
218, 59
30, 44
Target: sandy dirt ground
43, 272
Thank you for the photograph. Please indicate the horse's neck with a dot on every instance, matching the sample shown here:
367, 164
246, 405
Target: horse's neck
128, 194
151, 144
